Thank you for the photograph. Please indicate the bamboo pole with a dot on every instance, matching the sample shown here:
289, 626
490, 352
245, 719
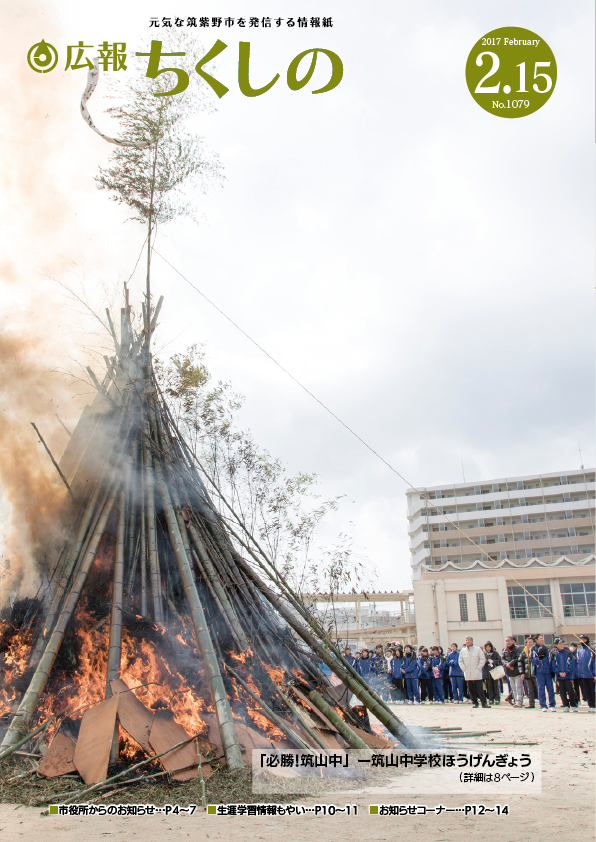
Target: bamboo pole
214, 597
21, 742
216, 685
151, 530
390, 721
273, 717
55, 464
23, 716
310, 731
70, 564
213, 578
115, 640
332, 715
132, 493
143, 557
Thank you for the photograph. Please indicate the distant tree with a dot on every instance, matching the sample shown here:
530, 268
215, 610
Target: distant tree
283, 512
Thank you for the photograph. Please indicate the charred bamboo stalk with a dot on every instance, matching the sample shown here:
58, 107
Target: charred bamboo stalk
115, 640
221, 704
21, 742
143, 560
23, 716
310, 731
214, 596
222, 596
271, 716
389, 720
333, 717
132, 486
151, 530
68, 569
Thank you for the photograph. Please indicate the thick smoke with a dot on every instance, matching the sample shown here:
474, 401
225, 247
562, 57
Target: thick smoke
51, 208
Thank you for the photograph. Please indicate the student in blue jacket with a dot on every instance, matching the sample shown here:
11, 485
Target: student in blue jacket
563, 667
397, 678
541, 661
411, 673
349, 657
585, 670
364, 664
437, 665
456, 675
573, 652
425, 676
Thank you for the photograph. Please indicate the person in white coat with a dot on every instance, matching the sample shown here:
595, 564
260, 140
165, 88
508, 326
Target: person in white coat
471, 661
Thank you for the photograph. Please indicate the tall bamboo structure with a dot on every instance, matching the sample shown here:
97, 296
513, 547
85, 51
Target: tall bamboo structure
134, 478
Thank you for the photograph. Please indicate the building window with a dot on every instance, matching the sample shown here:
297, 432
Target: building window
529, 602
481, 608
578, 599
463, 607
520, 640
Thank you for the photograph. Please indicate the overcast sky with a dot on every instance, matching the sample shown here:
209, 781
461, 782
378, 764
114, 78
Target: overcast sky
425, 268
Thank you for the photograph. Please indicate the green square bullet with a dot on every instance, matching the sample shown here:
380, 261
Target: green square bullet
54, 810
212, 810
373, 811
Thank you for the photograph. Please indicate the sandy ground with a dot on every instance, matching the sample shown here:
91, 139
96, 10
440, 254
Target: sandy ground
565, 810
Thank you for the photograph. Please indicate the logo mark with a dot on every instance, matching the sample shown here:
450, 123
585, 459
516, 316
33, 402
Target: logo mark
42, 57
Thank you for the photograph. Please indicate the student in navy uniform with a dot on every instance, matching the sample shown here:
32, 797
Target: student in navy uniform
585, 670
573, 653
411, 673
563, 666
397, 678
425, 676
456, 676
447, 689
378, 672
348, 656
363, 664
437, 665
541, 660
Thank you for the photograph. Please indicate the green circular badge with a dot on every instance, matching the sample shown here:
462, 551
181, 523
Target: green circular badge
511, 72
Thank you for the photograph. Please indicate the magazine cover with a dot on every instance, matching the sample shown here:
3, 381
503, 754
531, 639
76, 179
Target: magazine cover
297, 477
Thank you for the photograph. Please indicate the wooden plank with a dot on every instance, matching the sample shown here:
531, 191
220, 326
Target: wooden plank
329, 738
92, 752
165, 733
372, 740
59, 756
317, 713
133, 715
251, 738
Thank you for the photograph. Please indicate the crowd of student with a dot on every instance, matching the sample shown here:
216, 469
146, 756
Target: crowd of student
481, 675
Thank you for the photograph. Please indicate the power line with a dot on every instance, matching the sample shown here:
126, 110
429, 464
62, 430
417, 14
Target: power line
461, 531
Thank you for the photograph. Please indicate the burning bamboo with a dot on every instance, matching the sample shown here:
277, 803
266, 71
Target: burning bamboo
27, 707
344, 729
181, 562
115, 640
273, 717
218, 692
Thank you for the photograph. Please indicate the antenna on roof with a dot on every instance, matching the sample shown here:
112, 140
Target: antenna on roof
581, 459
462, 467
